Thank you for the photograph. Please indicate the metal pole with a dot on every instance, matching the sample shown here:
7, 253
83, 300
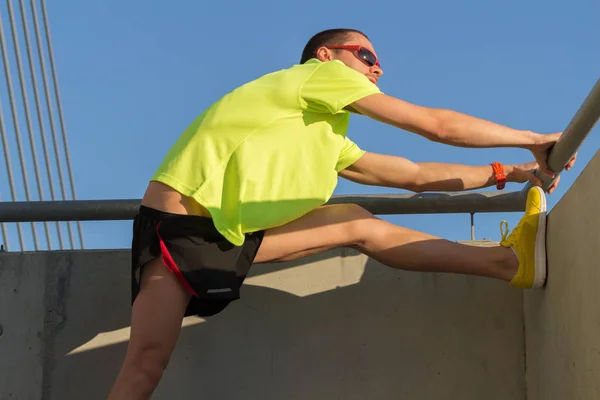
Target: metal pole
437, 203
39, 118
17, 130
11, 180
472, 226
431, 203
573, 136
50, 114
60, 114
36, 168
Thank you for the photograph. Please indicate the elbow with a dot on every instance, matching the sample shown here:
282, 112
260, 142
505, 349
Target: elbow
439, 135
441, 130
417, 181
415, 186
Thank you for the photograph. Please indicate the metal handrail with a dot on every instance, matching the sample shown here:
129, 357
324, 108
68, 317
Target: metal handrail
573, 136
126, 209
430, 203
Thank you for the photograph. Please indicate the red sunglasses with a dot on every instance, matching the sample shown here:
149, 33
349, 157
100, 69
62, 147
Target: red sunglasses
362, 53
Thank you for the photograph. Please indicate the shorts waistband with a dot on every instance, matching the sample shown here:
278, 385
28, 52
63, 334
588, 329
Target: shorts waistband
161, 215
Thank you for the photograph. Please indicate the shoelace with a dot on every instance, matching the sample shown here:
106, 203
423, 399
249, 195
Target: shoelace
504, 232
515, 232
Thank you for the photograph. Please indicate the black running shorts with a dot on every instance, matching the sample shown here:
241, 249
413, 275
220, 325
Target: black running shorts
208, 266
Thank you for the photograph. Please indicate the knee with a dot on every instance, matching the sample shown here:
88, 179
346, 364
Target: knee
364, 228
148, 365
361, 224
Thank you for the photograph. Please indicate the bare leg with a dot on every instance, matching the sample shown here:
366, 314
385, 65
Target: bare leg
352, 226
156, 319
160, 306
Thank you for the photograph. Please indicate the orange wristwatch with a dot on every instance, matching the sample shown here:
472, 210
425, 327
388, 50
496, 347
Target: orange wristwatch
500, 175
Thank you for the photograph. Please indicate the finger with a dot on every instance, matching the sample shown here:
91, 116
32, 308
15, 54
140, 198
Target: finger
554, 185
535, 181
546, 170
569, 164
572, 162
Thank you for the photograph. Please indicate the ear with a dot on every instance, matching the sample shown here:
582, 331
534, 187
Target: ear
324, 54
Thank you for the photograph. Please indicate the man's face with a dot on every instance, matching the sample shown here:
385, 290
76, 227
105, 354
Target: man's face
351, 58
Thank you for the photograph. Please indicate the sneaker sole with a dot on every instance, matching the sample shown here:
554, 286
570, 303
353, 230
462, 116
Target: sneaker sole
540, 244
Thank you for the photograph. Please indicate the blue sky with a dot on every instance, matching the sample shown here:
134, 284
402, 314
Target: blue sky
134, 74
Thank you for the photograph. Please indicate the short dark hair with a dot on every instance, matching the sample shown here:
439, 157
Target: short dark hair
326, 38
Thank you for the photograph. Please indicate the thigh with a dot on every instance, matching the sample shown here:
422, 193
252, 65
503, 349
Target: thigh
157, 313
322, 229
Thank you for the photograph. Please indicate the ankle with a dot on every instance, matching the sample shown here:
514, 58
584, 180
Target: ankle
508, 263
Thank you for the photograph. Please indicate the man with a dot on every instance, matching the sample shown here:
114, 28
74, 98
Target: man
246, 183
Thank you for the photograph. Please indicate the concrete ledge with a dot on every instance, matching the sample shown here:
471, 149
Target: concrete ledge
334, 326
563, 321
479, 243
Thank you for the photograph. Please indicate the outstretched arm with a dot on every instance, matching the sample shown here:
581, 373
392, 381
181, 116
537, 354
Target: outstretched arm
454, 128
390, 171
443, 125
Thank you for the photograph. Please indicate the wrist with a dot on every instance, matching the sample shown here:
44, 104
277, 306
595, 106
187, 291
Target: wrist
500, 176
532, 140
512, 173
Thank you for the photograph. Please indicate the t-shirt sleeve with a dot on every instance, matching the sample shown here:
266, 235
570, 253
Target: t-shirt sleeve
333, 86
349, 154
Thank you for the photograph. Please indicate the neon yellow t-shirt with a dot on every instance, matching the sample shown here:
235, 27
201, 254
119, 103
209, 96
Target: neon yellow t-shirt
269, 151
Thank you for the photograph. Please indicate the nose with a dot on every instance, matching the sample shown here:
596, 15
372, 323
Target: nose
377, 71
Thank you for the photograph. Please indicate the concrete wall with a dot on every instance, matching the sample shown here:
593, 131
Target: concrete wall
563, 321
336, 326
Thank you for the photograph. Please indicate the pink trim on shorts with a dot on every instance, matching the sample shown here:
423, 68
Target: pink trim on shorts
170, 264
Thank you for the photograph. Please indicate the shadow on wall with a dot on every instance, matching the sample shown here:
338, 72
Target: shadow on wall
338, 325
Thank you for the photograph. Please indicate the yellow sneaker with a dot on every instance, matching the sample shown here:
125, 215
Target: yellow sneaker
528, 241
